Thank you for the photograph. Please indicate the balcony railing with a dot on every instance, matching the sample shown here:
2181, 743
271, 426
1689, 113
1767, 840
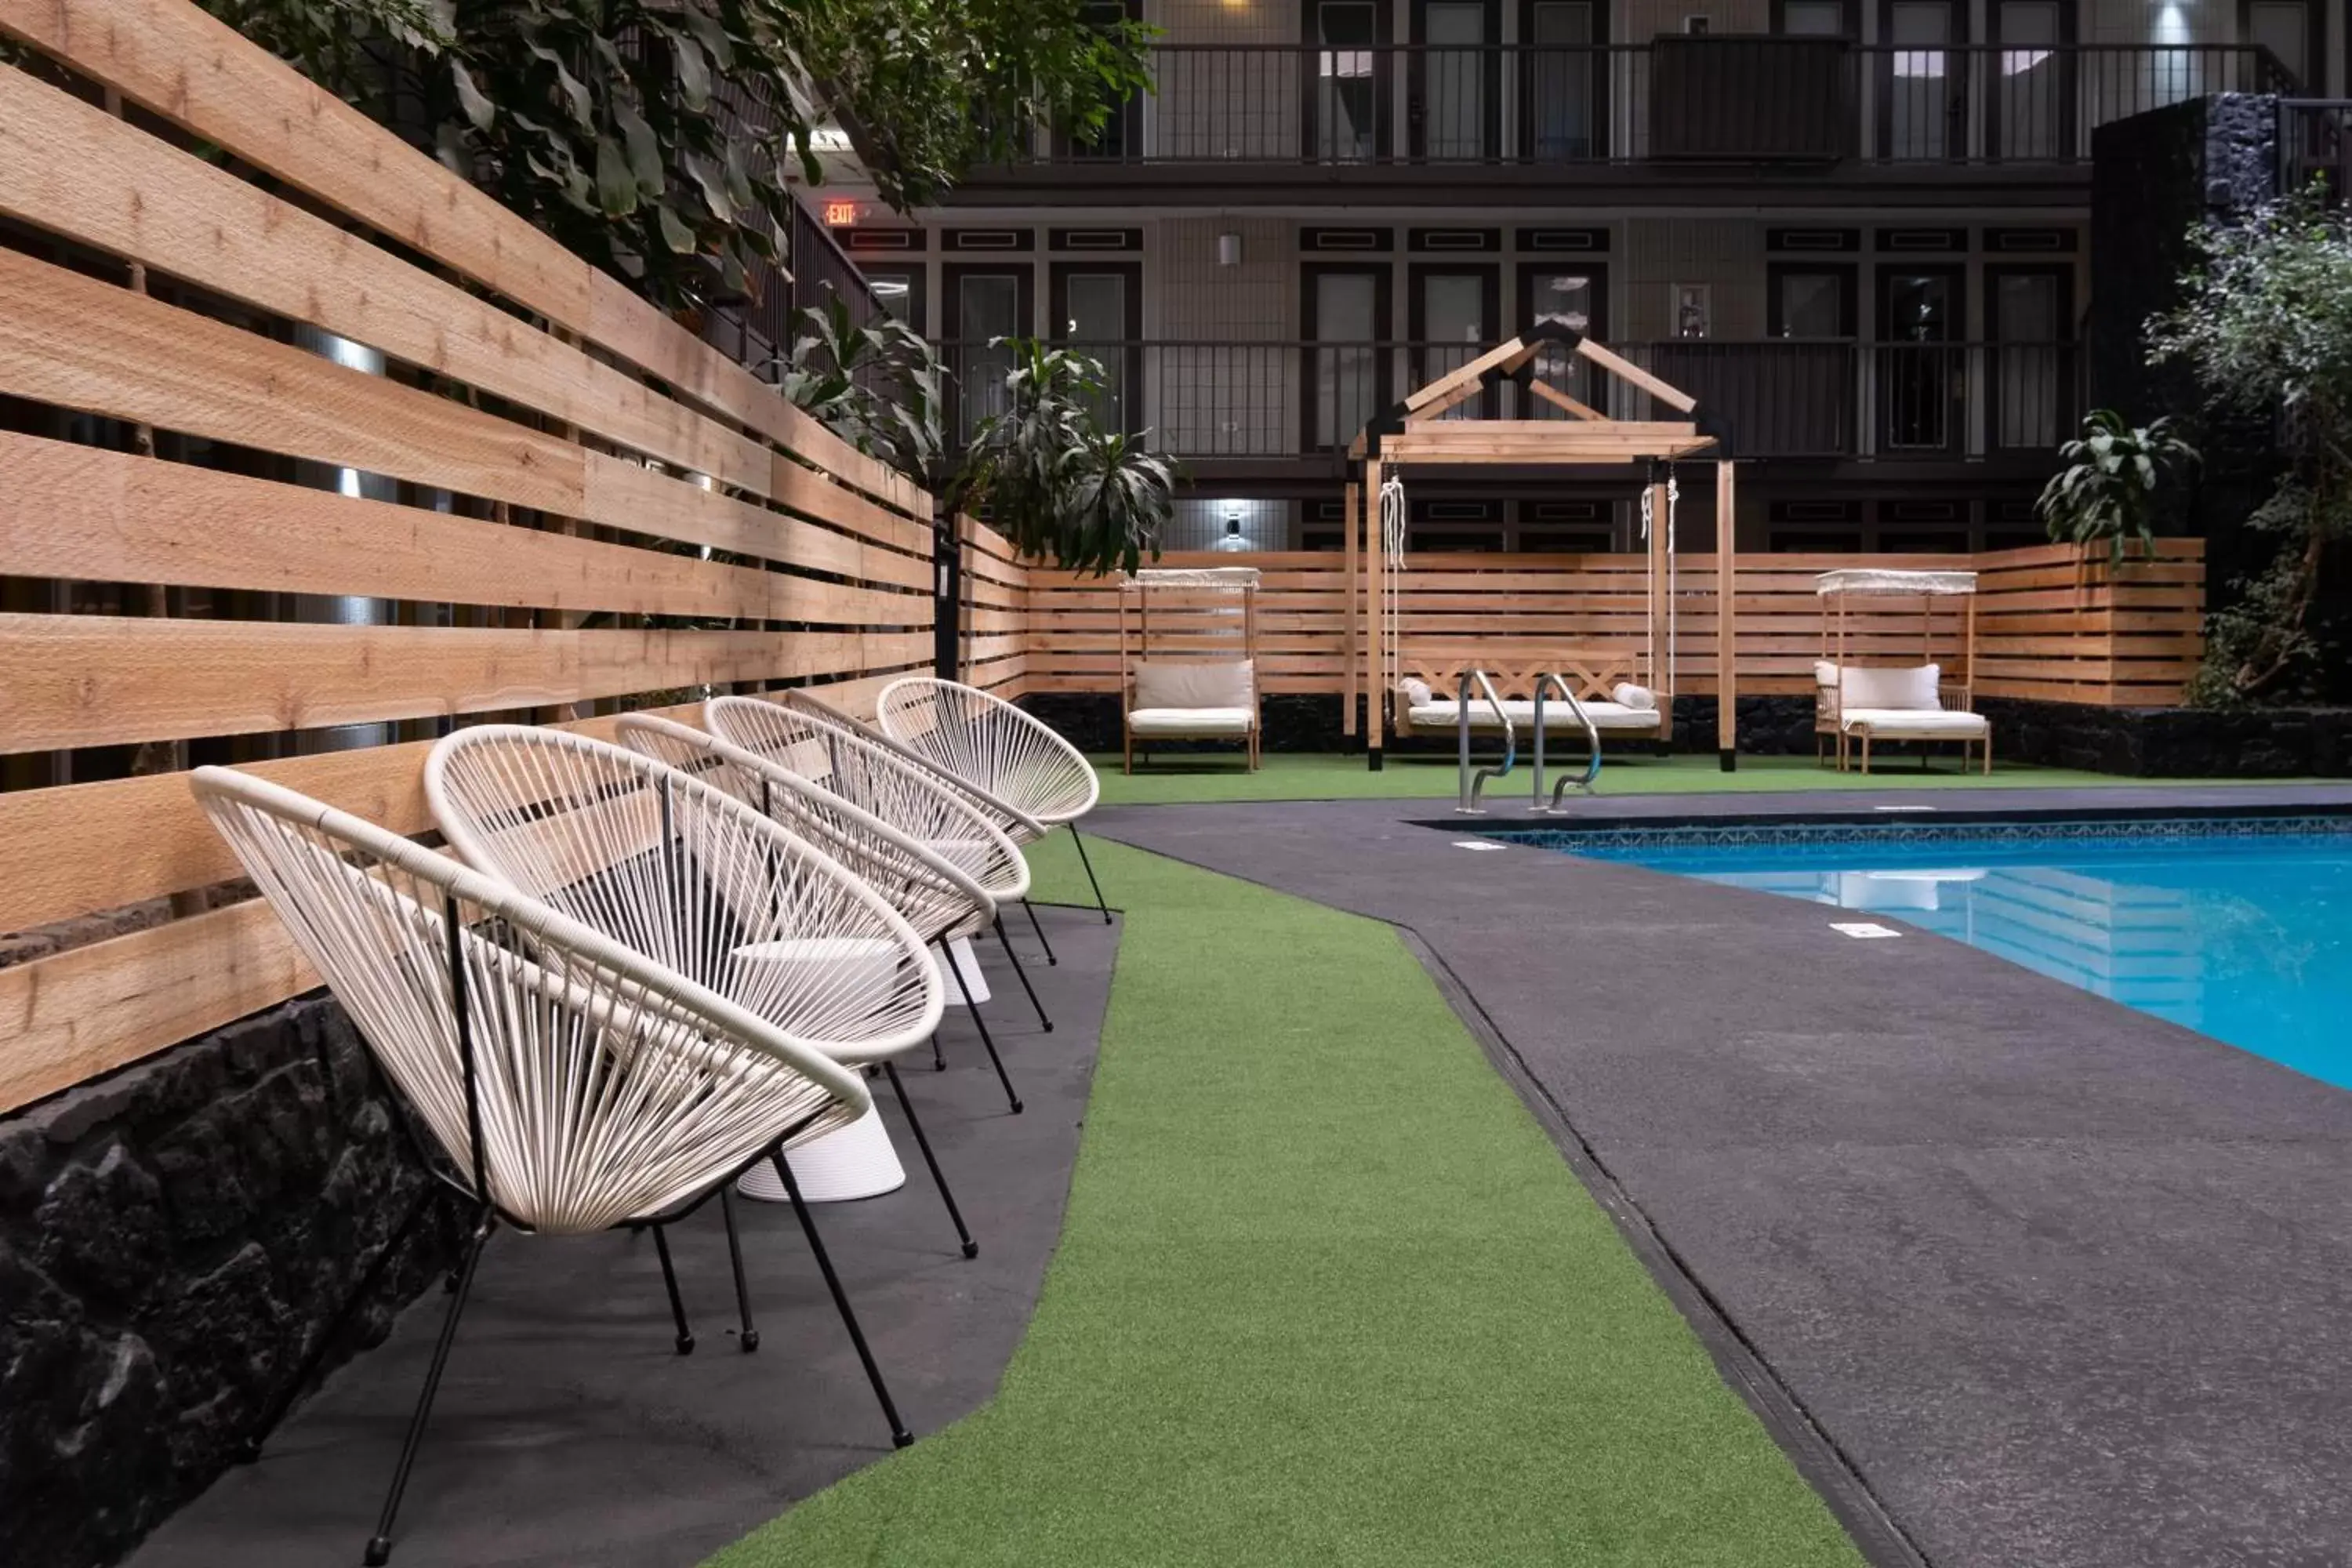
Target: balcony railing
1698, 99
2314, 140
1783, 397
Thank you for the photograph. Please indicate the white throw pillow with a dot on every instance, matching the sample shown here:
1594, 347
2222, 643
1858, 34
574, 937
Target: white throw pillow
1416, 692
1219, 683
1628, 695
1909, 689
1824, 672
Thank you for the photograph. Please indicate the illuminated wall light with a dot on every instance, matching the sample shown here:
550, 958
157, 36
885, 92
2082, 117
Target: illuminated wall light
1229, 250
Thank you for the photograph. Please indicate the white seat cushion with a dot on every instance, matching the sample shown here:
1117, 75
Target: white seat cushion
1557, 716
1917, 723
1193, 722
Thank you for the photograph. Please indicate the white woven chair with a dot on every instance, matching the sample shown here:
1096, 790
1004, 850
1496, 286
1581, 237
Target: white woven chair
680, 870
938, 898
1011, 820
993, 746
892, 784
569, 1086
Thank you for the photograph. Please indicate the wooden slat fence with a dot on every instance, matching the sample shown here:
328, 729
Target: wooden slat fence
2053, 623
309, 450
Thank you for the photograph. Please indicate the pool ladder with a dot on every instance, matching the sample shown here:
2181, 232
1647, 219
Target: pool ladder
1592, 739
1471, 783
1474, 783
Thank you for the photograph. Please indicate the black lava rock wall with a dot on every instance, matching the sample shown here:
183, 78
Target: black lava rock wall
180, 1242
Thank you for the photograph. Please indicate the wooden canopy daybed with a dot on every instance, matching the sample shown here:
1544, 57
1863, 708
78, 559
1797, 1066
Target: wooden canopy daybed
1625, 691
1196, 698
1855, 702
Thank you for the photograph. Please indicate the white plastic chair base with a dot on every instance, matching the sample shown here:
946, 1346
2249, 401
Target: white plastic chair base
855, 1162
973, 975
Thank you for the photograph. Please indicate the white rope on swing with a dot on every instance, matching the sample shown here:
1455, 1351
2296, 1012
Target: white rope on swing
1393, 531
1674, 496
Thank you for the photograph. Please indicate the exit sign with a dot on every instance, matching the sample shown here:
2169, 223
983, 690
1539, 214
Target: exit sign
840, 215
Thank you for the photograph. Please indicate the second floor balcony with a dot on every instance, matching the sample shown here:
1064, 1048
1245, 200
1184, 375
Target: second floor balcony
1465, 118
1784, 398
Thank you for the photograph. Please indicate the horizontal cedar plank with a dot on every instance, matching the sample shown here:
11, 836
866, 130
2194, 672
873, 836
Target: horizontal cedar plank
86, 680
121, 841
796, 485
198, 73
172, 59
75, 1015
76, 511
72, 339
70, 167
621, 322
620, 493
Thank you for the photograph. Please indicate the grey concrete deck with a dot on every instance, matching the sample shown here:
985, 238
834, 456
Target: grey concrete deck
2064, 1285
569, 1435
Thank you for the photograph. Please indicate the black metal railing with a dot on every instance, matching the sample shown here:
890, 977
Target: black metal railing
1781, 398
1702, 97
2314, 142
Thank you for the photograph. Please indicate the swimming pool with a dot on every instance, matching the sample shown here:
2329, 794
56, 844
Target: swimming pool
2239, 928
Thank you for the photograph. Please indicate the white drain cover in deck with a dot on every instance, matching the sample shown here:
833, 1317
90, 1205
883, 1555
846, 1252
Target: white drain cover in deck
1864, 929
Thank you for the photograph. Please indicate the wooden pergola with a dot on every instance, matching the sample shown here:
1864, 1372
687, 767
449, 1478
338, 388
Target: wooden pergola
1417, 432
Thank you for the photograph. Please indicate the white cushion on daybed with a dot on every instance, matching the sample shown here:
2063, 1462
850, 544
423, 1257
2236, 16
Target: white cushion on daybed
1190, 722
1558, 716
1902, 723
1209, 683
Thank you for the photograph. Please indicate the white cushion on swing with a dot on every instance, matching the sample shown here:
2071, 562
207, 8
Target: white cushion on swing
1629, 695
1559, 717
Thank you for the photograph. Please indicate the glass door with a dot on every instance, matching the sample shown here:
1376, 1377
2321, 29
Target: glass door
2289, 29
1455, 95
1802, 401
984, 306
2033, 85
1564, 81
1098, 309
1571, 294
1923, 109
2029, 318
1346, 81
1347, 315
1455, 314
1920, 361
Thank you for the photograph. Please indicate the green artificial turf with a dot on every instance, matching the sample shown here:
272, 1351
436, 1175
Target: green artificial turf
1326, 1294
1287, 775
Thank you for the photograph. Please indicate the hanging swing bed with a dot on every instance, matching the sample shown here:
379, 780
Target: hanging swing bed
1420, 686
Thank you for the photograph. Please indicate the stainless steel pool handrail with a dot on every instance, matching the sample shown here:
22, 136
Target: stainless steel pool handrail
1591, 737
1472, 786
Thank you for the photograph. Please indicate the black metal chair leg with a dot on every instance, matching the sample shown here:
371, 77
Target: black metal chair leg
982, 1024
1023, 974
899, 1436
1100, 902
379, 1546
677, 1301
939, 1062
1040, 930
915, 1125
750, 1339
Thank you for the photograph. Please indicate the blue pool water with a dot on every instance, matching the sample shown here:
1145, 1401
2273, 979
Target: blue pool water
2240, 929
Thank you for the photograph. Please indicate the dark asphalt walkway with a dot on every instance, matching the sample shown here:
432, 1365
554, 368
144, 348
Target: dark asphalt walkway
2069, 1287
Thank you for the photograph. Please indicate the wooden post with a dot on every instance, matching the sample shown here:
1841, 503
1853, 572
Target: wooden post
1375, 641
1727, 616
1351, 520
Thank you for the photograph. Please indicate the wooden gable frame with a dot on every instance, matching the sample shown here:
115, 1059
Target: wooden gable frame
1417, 431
